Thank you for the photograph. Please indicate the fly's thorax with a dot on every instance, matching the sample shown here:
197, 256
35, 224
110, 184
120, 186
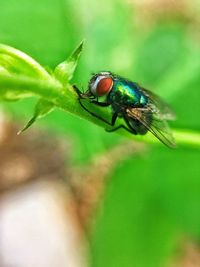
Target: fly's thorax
125, 94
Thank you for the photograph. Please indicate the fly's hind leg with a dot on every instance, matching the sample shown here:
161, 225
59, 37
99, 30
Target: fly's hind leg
133, 130
121, 126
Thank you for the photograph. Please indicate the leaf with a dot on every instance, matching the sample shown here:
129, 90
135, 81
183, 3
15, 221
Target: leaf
17, 62
42, 108
65, 70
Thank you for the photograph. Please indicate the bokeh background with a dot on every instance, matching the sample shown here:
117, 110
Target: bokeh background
74, 195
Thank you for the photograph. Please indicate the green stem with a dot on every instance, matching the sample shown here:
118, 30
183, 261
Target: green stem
53, 92
186, 137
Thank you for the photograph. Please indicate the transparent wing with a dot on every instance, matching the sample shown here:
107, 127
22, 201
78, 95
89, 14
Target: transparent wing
158, 106
157, 126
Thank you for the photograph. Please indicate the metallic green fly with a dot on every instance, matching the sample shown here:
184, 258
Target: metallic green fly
141, 109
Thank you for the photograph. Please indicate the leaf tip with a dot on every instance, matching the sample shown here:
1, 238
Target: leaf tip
65, 70
19, 132
82, 43
77, 52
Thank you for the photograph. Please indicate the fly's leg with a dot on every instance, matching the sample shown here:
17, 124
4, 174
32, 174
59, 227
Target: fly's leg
129, 125
92, 113
77, 90
121, 126
80, 96
114, 118
104, 104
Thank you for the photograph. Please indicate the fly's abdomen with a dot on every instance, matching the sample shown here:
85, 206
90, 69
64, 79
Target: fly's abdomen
138, 126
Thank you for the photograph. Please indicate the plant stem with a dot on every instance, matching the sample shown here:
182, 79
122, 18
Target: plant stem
53, 92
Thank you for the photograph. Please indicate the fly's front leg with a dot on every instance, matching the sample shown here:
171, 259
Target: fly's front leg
83, 96
93, 114
78, 91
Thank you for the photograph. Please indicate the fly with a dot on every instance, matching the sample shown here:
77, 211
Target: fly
141, 109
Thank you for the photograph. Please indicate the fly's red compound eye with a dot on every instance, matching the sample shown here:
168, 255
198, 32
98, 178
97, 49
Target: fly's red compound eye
104, 86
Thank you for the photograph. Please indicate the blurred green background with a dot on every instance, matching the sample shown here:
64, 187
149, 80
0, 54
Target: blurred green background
152, 200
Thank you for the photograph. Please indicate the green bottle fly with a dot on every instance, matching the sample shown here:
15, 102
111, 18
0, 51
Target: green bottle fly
141, 109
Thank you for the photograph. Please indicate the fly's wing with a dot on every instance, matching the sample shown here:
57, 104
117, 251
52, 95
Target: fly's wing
157, 126
158, 106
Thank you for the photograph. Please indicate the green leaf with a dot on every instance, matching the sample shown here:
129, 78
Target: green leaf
16, 62
65, 70
42, 108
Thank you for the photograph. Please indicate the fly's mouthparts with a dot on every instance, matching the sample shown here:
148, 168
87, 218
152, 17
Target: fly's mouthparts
86, 94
